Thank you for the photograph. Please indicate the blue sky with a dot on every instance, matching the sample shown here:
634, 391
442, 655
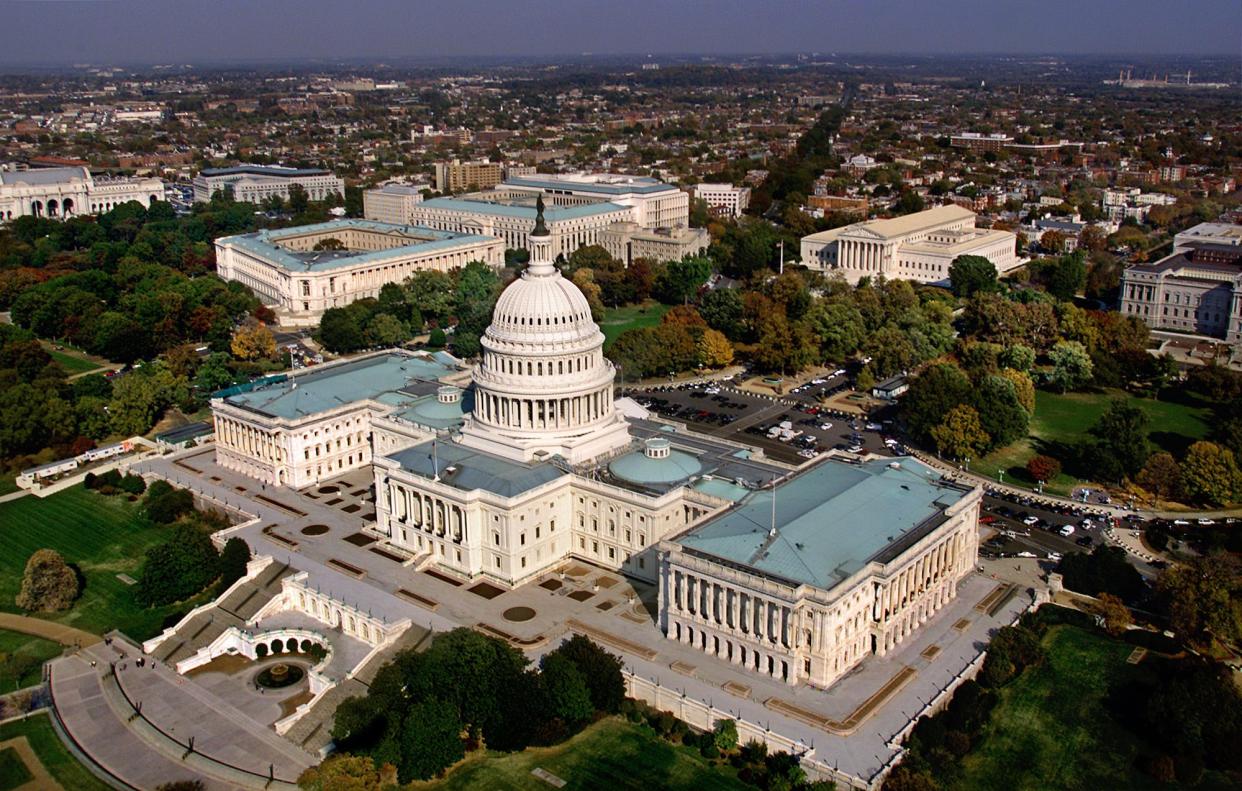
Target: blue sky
149, 31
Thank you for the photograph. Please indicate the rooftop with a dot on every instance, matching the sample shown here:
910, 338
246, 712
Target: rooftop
902, 226
265, 244
264, 170
468, 469
523, 209
384, 378
603, 183
44, 175
831, 520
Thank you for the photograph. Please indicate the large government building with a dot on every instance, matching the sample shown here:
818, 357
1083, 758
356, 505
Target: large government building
303, 271
257, 183
1196, 289
505, 472
65, 192
919, 246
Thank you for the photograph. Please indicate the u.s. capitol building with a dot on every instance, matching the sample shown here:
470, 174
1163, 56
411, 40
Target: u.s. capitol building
505, 472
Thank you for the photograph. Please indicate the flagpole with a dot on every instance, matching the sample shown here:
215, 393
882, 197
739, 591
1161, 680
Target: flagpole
435, 462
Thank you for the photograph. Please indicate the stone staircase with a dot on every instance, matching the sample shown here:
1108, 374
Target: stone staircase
243, 602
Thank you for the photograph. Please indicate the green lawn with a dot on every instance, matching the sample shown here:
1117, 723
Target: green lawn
1062, 420
72, 363
13, 771
613, 754
104, 536
618, 320
59, 763
33, 652
1051, 730
8, 482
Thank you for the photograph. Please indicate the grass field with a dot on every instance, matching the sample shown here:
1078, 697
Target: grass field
59, 763
618, 320
13, 771
104, 536
34, 649
1062, 420
8, 482
72, 363
612, 754
1051, 729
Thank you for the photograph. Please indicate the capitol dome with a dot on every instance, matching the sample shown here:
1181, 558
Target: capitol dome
543, 386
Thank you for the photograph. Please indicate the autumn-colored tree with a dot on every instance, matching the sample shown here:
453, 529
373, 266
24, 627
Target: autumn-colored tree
48, 585
252, 341
960, 435
1052, 240
1023, 388
1161, 476
1043, 468
715, 351
685, 315
1210, 474
348, 773
1116, 614
584, 279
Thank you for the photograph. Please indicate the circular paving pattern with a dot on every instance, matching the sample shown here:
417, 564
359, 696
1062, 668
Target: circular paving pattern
329, 489
518, 614
314, 530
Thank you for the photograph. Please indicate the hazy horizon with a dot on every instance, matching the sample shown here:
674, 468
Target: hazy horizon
65, 32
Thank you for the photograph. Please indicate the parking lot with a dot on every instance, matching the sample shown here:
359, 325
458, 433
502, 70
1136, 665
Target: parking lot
792, 428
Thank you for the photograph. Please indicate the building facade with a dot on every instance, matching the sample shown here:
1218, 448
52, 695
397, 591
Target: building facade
725, 200
457, 176
1196, 289
626, 241
919, 247
854, 558
306, 270
654, 204
513, 219
257, 183
69, 191
391, 203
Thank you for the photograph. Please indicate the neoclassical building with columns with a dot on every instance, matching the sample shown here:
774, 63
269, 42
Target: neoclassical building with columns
842, 560
506, 472
919, 246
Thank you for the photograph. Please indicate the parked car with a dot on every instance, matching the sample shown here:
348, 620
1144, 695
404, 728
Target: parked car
1067, 531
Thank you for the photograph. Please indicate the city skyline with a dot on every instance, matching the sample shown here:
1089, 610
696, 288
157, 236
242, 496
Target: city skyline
141, 32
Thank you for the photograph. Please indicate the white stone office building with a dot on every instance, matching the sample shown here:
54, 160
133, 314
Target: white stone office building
257, 183
66, 192
513, 219
392, 203
724, 199
285, 270
1197, 289
654, 203
626, 241
919, 247
849, 561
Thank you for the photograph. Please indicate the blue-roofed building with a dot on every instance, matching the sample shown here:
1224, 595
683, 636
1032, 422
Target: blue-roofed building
324, 421
303, 271
836, 562
655, 203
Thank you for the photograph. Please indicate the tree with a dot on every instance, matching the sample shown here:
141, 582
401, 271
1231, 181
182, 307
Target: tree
568, 696
839, 328
725, 734
339, 330
1203, 597
252, 341
721, 308
1161, 476
233, 560
1017, 356
1071, 366
866, 380
331, 243
1023, 388
600, 669
891, 350
681, 279
932, 394
178, 568
715, 351
1105, 570
348, 773
1052, 240
386, 330
960, 435
1122, 431
298, 198
969, 274
1116, 614
164, 504
1068, 277
784, 346
430, 740
1210, 474
48, 584
1043, 468
1000, 414
584, 279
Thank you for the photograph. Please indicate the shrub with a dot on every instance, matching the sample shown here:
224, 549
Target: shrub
233, 562
48, 585
178, 568
437, 338
1043, 468
165, 507
133, 484
709, 751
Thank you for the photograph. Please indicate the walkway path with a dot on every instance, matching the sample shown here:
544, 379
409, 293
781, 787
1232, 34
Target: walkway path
48, 630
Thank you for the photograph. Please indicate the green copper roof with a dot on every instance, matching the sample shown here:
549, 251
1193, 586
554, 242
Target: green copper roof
636, 467
831, 520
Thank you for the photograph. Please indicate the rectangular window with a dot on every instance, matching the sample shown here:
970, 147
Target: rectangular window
522, 539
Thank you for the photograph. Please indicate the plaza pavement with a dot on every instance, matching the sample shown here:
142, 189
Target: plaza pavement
624, 617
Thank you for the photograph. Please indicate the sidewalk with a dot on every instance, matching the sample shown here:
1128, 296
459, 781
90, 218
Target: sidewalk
59, 633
